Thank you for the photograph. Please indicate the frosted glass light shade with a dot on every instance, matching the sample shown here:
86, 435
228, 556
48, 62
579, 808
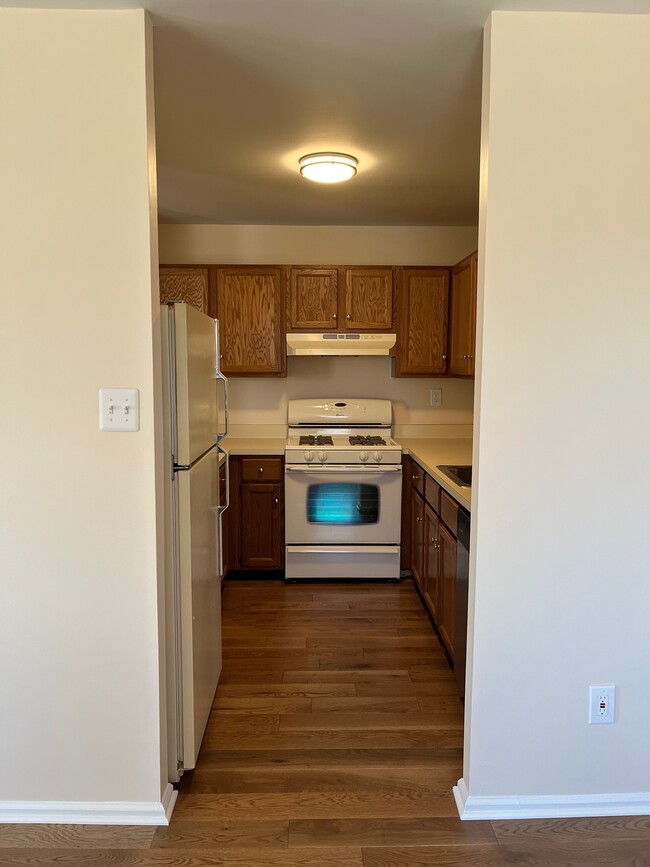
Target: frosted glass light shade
328, 168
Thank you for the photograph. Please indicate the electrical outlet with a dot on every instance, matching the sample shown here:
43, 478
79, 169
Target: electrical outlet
436, 396
602, 703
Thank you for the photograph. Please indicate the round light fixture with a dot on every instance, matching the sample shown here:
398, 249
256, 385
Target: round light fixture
328, 168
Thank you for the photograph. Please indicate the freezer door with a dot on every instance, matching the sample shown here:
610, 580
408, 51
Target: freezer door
199, 598
195, 357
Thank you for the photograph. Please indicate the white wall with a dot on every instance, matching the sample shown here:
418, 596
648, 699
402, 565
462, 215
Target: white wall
560, 505
79, 651
263, 401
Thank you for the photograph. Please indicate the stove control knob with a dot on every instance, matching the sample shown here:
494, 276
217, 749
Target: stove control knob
363, 457
308, 456
322, 457
377, 456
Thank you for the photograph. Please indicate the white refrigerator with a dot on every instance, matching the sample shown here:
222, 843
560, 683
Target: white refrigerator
196, 418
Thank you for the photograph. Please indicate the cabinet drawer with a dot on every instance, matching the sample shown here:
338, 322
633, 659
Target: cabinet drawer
432, 493
261, 469
417, 478
449, 511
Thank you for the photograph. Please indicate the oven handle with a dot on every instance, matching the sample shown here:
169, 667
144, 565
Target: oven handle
343, 549
348, 468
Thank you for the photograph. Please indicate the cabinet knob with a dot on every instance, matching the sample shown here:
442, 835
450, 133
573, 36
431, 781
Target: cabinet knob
444, 357
418, 518
276, 501
436, 543
470, 357
349, 316
333, 315
261, 470
414, 478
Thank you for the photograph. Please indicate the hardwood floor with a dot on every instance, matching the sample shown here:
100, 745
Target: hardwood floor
334, 741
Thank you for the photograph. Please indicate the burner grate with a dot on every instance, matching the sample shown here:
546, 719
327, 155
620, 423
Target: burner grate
316, 441
367, 441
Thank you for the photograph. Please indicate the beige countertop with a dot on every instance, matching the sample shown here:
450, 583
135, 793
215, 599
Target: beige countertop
429, 453
233, 445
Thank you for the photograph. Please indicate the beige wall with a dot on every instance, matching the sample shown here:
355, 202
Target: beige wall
263, 401
560, 505
257, 401
316, 245
79, 640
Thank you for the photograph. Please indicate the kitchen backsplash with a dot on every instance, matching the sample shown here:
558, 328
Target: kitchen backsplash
264, 401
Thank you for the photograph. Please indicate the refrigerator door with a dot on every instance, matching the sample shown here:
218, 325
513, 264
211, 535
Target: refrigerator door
198, 601
195, 389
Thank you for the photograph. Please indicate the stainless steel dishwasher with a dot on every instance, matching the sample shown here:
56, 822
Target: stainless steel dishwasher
462, 581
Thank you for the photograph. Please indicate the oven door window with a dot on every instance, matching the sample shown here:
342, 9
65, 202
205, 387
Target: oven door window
342, 503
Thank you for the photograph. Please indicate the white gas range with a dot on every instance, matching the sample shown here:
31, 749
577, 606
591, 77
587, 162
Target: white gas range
343, 491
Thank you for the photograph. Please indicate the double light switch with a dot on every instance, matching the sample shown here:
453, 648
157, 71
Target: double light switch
119, 409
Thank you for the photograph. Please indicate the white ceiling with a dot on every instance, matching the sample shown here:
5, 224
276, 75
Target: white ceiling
245, 87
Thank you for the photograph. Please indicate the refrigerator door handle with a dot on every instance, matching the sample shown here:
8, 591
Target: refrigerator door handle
219, 512
224, 379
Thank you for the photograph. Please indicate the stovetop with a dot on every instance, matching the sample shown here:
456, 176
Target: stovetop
341, 431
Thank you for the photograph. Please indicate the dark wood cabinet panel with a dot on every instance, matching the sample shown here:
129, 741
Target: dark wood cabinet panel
261, 512
447, 595
313, 299
417, 537
250, 309
255, 519
431, 579
368, 299
422, 312
462, 314
184, 283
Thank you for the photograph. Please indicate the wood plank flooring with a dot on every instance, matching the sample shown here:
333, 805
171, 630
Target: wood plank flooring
334, 741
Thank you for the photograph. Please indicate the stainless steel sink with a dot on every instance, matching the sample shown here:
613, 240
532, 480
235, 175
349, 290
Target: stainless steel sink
461, 475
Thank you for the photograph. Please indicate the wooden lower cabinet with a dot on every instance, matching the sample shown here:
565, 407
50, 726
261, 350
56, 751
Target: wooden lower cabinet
447, 595
417, 537
261, 512
429, 547
431, 561
256, 514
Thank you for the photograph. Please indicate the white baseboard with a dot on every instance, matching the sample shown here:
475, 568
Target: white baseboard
90, 812
548, 806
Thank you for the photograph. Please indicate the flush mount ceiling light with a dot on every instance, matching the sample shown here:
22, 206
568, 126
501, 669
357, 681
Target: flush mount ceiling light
328, 168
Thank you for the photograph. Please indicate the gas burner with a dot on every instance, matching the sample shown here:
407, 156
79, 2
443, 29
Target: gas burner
367, 441
316, 441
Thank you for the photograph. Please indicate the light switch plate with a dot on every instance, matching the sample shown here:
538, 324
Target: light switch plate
119, 409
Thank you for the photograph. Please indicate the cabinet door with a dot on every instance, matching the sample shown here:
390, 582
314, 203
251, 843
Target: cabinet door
462, 329
447, 596
422, 322
250, 313
417, 538
431, 561
261, 534
313, 299
368, 299
184, 284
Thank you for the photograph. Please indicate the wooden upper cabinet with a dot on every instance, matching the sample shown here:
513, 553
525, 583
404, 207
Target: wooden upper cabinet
462, 327
423, 296
189, 284
250, 310
313, 299
368, 299
340, 299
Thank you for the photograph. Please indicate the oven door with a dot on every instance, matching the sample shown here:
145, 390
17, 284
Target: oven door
343, 505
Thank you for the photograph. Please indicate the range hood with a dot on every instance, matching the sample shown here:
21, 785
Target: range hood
332, 343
